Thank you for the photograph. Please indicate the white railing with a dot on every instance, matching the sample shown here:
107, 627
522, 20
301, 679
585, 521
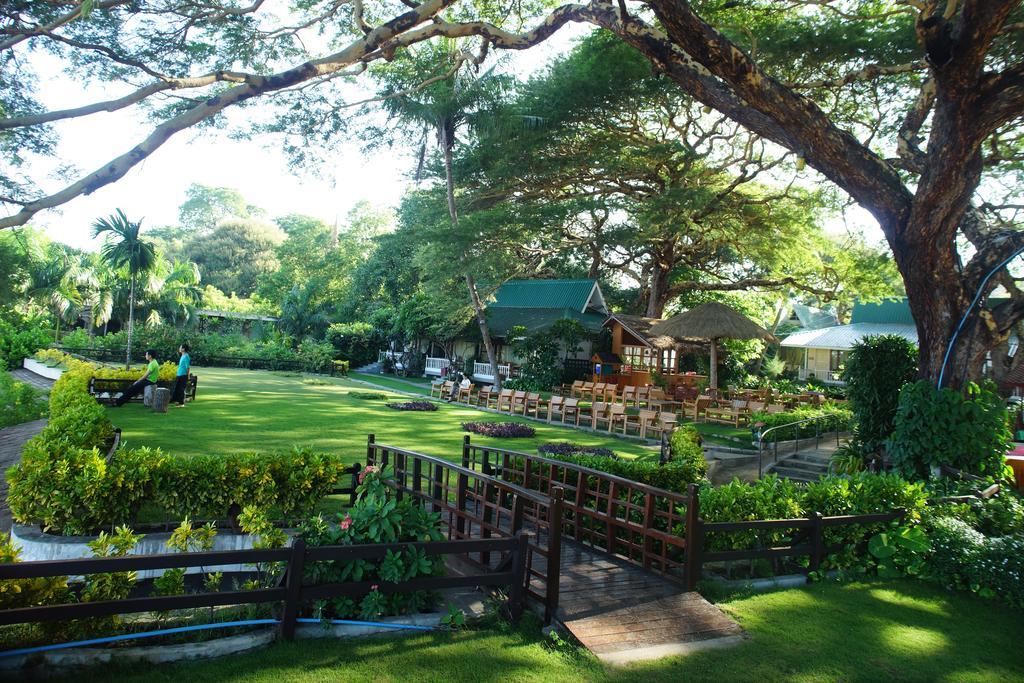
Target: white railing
829, 377
435, 366
486, 370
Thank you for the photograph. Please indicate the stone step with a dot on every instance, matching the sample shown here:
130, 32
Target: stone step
795, 475
811, 458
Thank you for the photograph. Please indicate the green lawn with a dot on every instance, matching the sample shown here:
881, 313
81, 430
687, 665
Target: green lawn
903, 631
254, 410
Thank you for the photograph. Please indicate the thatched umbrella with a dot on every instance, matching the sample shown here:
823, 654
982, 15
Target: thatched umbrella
711, 321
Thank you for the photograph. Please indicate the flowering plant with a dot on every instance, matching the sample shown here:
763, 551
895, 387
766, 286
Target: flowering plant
500, 430
425, 406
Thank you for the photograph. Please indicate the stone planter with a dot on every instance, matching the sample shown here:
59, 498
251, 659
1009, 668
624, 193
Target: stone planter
42, 369
37, 545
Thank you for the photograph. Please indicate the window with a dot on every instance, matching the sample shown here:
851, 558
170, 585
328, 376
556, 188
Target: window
836, 360
668, 361
638, 358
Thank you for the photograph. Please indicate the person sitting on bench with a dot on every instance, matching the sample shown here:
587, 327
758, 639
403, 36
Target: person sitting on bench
149, 377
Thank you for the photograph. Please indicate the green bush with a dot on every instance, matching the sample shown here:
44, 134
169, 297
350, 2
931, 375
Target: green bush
875, 371
375, 518
16, 593
686, 444
19, 402
834, 417
356, 342
769, 498
962, 558
969, 431
20, 338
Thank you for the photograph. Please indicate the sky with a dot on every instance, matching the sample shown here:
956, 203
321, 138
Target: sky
153, 190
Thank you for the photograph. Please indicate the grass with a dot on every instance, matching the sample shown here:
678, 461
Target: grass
255, 410
894, 631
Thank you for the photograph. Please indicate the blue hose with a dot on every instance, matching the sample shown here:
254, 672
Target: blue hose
133, 636
350, 622
203, 627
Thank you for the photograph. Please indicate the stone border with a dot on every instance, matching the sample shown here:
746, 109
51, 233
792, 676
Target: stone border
38, 545
48, 664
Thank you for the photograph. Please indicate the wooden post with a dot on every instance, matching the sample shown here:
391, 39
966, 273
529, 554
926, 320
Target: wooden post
293, 588
648, 525
417, 475
465, 451
356, 469
460, 502
487, 469
517, 514
517, 592
371, 450
554, 553
488, 518
817, 542
399, 476
609, 531
581, 498
693, 540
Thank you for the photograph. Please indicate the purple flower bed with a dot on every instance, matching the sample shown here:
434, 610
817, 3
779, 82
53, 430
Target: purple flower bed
567, 448
501, 430
412, 405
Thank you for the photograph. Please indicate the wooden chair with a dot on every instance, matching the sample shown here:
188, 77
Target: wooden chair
586, 390
573, 389
571, 409
629, 396
531, 403
518, 402
774, 408
504, 402
443, 388
755, 407
666, 423
555, 406
614, 415
483, 397
643, 397
640, 422
732, 413
465, 391
597, 412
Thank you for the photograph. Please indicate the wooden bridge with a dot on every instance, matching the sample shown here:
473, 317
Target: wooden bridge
621, 583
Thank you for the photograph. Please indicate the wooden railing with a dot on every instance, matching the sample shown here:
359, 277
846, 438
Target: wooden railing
622, 517
291, 593
435, 366
486, 370
473, 504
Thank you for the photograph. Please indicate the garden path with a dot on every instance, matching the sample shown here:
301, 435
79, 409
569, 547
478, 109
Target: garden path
12, 440
31, 378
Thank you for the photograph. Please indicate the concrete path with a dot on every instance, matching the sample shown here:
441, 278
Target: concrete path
12, 439
31, 378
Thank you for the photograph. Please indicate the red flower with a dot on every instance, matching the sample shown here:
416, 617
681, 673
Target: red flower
346, 523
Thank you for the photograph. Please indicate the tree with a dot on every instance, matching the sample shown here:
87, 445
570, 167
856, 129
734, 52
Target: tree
451, 101
125, 249
54, 282
906, 106
237, 254
204, 207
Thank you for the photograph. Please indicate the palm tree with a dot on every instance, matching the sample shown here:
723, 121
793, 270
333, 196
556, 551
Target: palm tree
443, 106
54, 282
301, 314
171, 292
125, 248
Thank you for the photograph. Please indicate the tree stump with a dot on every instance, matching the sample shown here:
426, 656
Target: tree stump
161, 399
147, 395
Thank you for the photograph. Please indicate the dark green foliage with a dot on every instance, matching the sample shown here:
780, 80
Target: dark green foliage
965, 559
875, 371
356, 342
969, 431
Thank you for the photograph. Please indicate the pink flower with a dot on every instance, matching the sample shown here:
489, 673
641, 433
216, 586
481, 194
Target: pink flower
346, 523
369, 469
374, 587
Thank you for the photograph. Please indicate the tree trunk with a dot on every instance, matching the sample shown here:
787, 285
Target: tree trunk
713, 370
656, 295
447, 142
131, 322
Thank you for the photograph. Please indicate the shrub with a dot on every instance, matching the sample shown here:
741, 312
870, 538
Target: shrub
969, 431
426, 406
674, 475
769, 498
375, 518
834, 417
19, 402
500, 430
356, 342
20, 338
566, 448
317, 356
876, 370
368, 395
16, 593
686, 445
168, 372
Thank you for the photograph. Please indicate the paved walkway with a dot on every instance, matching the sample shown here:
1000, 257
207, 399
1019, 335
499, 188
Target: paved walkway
12, 439
31, 378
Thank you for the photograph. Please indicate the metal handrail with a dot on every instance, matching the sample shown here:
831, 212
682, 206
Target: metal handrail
775, 455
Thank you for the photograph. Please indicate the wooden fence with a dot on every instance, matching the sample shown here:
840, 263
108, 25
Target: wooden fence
290, 593
474, 504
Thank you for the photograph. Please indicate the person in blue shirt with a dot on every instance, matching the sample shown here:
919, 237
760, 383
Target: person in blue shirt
181, 381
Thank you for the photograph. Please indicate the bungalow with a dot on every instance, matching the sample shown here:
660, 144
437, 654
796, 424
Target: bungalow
534, 305
821, 353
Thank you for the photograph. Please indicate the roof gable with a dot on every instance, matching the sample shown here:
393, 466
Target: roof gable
887, 312
576, 295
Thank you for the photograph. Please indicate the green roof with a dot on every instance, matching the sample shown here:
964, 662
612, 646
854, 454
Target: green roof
544, 294
501, 320
891, 311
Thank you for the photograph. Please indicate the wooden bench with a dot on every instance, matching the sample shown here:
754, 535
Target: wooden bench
106, 390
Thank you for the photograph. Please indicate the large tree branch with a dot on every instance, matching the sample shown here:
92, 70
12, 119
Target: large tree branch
21, 34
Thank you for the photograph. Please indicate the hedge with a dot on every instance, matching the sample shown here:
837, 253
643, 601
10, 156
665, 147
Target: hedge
65, 483
834, 417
